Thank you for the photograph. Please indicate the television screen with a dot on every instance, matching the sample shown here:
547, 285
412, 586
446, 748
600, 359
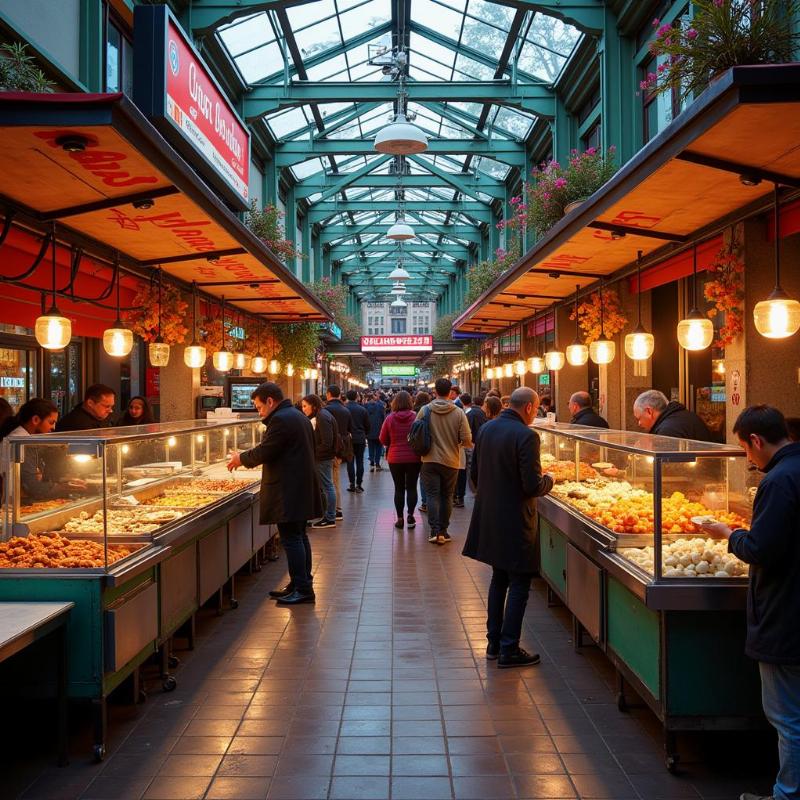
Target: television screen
240, 396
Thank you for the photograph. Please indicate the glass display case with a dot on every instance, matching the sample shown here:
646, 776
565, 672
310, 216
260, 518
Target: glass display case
86, 500
647, 497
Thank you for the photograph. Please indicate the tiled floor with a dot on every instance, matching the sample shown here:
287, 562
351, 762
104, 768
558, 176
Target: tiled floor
382, 690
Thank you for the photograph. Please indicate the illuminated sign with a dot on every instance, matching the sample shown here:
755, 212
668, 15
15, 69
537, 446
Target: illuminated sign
397, 344
399, 371
173, 86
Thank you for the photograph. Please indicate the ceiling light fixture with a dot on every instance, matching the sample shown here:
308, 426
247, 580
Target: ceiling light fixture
577, 353
602, 350
400, 137
118, 341
158, 351
639, 344
695, 331
53, 331
223, 358
194, 355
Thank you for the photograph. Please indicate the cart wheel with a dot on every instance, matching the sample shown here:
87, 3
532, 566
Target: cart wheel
169, 684
234, 603
622, 703
99, 753
173, 661
671, 762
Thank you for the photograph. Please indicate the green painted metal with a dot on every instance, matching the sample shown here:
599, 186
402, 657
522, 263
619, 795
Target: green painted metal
633, 633
586, 15
480, 183
553, 556
455, 179
334, 232
617, 86
450, 249
91, 43
321, 210
342, 183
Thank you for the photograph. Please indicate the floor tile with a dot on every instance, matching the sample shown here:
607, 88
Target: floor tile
238, 789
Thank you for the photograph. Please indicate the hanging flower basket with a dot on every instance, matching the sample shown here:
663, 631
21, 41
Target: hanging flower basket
614, 319
143, 321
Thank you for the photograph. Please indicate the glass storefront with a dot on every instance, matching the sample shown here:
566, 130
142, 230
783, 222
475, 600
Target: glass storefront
63, 369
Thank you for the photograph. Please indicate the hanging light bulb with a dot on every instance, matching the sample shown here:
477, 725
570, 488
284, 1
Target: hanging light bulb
314, 374
508, 370
158, 351
259, 364
577, 353
489, 373
290, 369
777, 317
401, 231
241, 361
222, 359
398, 303
398, 288
400, 137
194, 355
554, 359
399, 273
695, 331
274, 366
118, 341
52, 330
602, 350
639, 344
520, 368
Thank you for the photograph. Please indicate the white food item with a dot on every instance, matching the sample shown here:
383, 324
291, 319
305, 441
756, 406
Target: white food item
702, 567
721, 574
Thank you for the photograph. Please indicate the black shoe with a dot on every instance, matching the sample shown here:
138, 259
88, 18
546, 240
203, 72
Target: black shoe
339, 514
423, 509
444, 538
295, 598
518, 658
288, 589
411, 522
360, 489
492, 651
372, 468
351, 488
433, 537
378, 468
324, 523
399, 522
459, 503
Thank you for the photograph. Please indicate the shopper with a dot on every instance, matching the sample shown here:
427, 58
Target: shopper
290, 491
138, 412
325, 433
94, 412
455, 395
336, 407
449, 433
421, 398
772, 549
475, 418
502, 533
404, 463
492, 407
580, 407
6, 411
545, 406
505, 400
359, 421
376, 412
657, 415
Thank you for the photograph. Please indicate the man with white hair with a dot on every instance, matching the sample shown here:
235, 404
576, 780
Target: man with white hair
657, 415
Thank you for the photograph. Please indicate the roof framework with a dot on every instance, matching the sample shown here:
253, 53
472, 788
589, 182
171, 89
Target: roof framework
480, 74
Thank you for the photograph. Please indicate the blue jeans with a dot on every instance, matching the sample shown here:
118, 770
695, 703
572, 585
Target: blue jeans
355, 467
375, 452
325, 472
780, 696
440, 483
298, 554
508, 598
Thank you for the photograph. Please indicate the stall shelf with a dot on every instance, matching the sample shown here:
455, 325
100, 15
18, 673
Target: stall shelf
666, 603
138, 526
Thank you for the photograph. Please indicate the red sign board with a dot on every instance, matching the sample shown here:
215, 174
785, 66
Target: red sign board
173, 86
396, 344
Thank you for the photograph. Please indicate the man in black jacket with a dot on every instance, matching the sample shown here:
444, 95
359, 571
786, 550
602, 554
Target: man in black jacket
658, 416
94, 412
360, 422
345, 422
290, 493
580, 407
502, 533
772, 549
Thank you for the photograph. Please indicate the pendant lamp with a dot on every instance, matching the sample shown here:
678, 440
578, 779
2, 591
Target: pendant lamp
222, 359
240, 359
399, 273
695, 331
194, 355
520, 368
602, 350
639, 344
274, 366
118, 341
554, 359
401, 231
577, 353
398, 303
157, 351
400, 137
53, 331
259, 363
290, 369
777, 317
508, 370
489, 373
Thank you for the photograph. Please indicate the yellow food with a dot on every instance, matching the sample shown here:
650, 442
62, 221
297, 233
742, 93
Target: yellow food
182, 500
42, 505
49, 550
227, 485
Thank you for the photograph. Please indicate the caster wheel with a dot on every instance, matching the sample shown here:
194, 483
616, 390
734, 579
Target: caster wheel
169, 684
671, 763
173, 661
99, 753
234, 603
622, 703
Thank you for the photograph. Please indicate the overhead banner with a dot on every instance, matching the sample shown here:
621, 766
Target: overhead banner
399, 371
173, 86
396, 344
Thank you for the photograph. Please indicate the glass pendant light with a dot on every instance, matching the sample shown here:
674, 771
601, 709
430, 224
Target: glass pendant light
194, 355
222, 359
489, 373
401, 231
520, 368
52, 330
577, 352
118, 341
240, 359
536, 362
777, 317
157, 351
259, 364
508, 370
290, 369
554, 359
602, 350
695, 331
274, 366
639, 344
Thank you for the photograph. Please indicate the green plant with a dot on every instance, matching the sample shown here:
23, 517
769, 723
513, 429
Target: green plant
720, 35
443, 329
482, 275
19, 72
298, 342
334, 296
266, 223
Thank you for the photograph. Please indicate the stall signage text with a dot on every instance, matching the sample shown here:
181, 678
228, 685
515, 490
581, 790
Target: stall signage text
7, 382
399, 371
397, 344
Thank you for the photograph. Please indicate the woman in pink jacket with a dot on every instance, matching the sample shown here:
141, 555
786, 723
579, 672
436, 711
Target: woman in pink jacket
404, 463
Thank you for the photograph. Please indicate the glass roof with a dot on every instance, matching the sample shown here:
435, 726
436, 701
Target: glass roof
448, 42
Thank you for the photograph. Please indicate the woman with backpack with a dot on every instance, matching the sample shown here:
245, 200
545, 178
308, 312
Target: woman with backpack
404, 463
325, 435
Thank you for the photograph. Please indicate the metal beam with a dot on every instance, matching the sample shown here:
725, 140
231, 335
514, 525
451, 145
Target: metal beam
351, 230
453, 178
341, 184
723, 165
491, 186
586, 15
319, 212
451, 249
535, 98
206, 15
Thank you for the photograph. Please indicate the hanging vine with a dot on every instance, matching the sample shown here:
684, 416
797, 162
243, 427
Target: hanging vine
143, 320
726, 290
614, 319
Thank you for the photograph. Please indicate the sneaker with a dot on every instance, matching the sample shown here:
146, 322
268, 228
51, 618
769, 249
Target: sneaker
433, 537
398, 522
411, 522
372, 468
378, 468
444, 538
458, 503
339, 514
351, 488
360, 489
423, 508
324, 523
518, 658
492, 651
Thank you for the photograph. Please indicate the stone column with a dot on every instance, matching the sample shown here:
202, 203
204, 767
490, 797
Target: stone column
179, 386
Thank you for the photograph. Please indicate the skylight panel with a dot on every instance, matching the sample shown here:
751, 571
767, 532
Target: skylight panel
514, 122
283, 124
476, 71
307, 168
548, 45
366, 16
318, 38
539, 62
245, 34
438, 17
259, 63
434, 50
309, 13
491, 167
493, 13
326, 69
420, 64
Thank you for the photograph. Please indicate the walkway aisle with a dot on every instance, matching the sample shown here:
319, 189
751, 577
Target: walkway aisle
379, 691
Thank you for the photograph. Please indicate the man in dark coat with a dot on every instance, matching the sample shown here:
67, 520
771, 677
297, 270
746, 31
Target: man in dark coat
772, 549
376, 412
502, 532
94, 412
290, 492
344, 421
658, 416
359, 430
580, 407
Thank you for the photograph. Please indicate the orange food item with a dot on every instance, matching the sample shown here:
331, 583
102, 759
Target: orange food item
49, 550
565, 471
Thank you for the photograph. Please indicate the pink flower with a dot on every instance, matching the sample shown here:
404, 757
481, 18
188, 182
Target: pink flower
664, 30
656, 22
661, 67
591, 151
500, 253
560, 183
691, 34
719, 3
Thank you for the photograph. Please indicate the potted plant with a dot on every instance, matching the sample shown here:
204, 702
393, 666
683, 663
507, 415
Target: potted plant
267, 224
721, 34
19, 71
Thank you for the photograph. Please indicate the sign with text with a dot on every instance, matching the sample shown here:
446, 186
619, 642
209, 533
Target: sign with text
399, 371
396, 344
173, 86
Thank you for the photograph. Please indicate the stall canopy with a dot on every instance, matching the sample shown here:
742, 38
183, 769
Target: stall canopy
94, 166
714, 163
